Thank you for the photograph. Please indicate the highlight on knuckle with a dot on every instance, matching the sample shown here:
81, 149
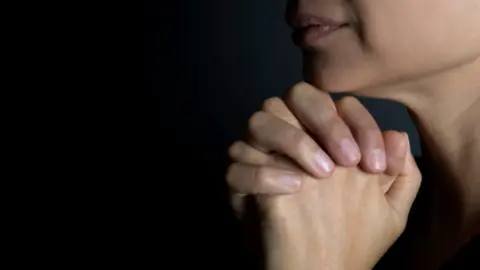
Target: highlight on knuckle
256, 121
235, 149
296, 91
347, 101
270, 104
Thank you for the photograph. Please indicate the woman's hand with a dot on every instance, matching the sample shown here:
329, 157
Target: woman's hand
310, 133
346, 221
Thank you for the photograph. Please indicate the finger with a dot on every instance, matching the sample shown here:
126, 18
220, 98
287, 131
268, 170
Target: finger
277, 107
240, 151
257, 145
366, 133
316, 111
396, 146
404, 189
277, 135
243, 153
251, 179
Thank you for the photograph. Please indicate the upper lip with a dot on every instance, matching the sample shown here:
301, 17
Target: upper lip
299, 21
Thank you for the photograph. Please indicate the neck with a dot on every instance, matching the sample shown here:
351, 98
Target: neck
446, 109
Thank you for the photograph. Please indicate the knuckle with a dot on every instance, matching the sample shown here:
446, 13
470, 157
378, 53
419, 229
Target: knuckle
297, 90
298, 140
233, 179
235, 149
355, 112
329, 126
257, 120
347, 101
271, 104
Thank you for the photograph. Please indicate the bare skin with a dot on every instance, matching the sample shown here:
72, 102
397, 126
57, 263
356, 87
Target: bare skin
355, 219
450, 128
445, 234
323, 223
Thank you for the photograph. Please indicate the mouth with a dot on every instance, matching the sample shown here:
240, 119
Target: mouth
308, 30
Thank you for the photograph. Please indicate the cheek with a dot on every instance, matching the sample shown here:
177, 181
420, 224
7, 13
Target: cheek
396, 35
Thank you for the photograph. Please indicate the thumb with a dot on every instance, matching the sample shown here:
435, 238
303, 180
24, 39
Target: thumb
404, 189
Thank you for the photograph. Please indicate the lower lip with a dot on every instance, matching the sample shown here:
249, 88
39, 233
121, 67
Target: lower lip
310, 36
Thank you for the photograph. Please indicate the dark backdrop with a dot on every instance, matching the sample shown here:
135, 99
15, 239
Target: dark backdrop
207, 66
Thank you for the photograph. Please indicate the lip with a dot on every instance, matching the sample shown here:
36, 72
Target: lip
308, 29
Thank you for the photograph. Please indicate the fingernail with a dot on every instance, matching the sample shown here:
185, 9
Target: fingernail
324, 163
289, 182
378, 159
350, 150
